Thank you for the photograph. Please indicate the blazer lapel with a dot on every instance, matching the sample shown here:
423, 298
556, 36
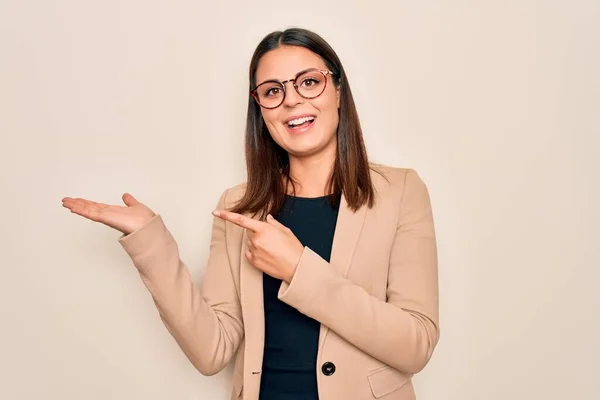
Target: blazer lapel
347, 231
251, 293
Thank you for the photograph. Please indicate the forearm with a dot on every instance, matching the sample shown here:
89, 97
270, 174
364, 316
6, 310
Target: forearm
402, 338
208, 334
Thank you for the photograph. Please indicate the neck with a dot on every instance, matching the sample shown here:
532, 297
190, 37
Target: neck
312, 173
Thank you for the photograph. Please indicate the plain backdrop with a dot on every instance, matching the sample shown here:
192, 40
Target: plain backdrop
495, 103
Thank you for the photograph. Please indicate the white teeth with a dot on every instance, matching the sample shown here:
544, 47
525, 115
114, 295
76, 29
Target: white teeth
299, 121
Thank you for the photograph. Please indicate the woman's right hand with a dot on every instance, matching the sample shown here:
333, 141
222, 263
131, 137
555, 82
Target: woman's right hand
126, 219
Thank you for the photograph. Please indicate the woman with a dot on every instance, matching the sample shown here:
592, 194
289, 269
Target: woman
322, 273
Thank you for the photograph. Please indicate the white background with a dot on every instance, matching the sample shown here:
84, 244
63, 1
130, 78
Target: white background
495, 104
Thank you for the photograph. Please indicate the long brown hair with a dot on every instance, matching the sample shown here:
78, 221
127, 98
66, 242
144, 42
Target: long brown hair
267, 164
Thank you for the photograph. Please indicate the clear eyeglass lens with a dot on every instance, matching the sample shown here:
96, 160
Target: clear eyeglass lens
311, 84
270, 94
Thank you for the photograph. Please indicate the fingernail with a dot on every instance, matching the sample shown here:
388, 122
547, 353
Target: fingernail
216, 213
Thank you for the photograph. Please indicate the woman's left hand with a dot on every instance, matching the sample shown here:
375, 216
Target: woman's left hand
272, 247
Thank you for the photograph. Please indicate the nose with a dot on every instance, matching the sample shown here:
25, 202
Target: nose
292, 98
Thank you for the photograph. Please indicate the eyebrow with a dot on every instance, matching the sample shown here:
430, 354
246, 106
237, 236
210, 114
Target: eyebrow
295, 76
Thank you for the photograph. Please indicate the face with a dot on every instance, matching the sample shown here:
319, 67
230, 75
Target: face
303, 127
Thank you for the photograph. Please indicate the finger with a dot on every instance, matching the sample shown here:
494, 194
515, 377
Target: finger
240, 220
86, 208
129, 200
275, 223
89, 202
69, 202
88, 211
78, 200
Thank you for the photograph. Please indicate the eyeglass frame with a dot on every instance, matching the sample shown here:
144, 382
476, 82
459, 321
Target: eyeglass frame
325, 73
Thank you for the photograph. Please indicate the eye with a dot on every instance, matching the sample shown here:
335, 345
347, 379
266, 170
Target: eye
272, 91
309, 82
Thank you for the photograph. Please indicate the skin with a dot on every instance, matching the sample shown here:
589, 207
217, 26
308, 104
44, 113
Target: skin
311, 155
272, 247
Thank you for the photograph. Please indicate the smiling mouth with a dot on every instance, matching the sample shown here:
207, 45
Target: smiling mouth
299, 123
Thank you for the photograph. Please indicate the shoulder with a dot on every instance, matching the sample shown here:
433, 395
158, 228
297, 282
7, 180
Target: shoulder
232, 195
394, 179
403, 190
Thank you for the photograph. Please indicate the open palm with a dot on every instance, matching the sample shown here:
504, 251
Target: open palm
125, 219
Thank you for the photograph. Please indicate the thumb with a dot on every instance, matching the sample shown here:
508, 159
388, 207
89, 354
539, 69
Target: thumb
129, 200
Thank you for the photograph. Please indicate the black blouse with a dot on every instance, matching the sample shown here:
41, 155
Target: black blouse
289, 370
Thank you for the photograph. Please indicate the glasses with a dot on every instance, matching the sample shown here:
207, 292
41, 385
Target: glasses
309, 84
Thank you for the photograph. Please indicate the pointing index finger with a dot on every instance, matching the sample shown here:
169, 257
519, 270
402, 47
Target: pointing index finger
239, 219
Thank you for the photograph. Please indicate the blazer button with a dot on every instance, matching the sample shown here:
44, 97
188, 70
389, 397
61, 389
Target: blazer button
328, 368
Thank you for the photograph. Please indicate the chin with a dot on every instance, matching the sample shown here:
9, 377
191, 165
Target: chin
304, 144
306, 149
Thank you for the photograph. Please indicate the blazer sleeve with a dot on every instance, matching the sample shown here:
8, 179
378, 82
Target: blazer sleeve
206, 322
401, 332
